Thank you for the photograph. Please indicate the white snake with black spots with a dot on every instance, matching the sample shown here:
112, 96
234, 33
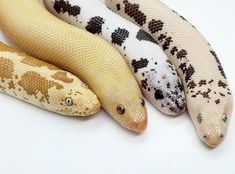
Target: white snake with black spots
155, 74
209, 99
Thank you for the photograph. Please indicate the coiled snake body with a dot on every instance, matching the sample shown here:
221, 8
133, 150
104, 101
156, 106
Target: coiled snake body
97, 63
44, 85
208, 95
155, 74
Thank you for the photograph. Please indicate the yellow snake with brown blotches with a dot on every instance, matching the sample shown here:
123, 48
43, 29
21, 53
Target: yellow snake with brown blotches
44, 85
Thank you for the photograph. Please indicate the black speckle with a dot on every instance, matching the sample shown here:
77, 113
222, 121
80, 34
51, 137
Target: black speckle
202, 82
180, 86
191, 85
95, 25
168, 85
158, 95
161, 37
142, 35
119, 36
211, 81
181, 54
222, 84
133, 11
144, 83
65, 6
155, 26
188, 71
118, 7
221, 94
206, 94
142, 63
174, 50
167, 43
219, 64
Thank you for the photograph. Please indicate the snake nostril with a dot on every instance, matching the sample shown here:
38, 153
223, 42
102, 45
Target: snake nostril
206, 136
221, 135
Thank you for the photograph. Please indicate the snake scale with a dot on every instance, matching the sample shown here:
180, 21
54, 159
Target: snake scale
44, 85
156, 76
32, 28
208, 96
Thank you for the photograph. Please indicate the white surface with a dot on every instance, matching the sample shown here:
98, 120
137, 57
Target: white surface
34, 141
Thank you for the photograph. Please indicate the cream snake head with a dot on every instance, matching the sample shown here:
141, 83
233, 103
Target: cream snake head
133, 115
129, 111
212, 125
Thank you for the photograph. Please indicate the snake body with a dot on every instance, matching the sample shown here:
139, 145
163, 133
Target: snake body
157, 77
96, 62
208, 95
44, 85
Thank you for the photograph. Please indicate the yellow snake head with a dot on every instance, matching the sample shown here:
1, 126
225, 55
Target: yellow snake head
129, 111
212, 124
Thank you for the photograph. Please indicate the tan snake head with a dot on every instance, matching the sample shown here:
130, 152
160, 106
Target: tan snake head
71, 102
212, 125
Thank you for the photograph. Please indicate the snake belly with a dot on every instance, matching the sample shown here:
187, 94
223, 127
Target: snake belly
155, 74
208, 96
44, 85
95, 61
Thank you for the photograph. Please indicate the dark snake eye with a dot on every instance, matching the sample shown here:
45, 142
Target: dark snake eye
225, 118
120, 109
142, 102
199, 118
69, 101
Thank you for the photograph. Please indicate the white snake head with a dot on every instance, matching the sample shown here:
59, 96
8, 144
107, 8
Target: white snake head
82, 102
167, 90
172, 101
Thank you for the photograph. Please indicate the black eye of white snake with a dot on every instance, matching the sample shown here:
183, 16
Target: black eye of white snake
199, 118
120, 109
225, 118
142, 102
69, 101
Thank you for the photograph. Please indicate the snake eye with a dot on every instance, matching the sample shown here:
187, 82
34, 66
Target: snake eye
199, 118
142, 102
69, 101
225, 118
120, 109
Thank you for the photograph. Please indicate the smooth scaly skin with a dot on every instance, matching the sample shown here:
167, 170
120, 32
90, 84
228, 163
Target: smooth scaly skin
97, 63
44, 85
209, 98
155, 74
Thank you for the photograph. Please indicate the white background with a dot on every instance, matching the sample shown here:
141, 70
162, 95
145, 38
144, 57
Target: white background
34, 141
